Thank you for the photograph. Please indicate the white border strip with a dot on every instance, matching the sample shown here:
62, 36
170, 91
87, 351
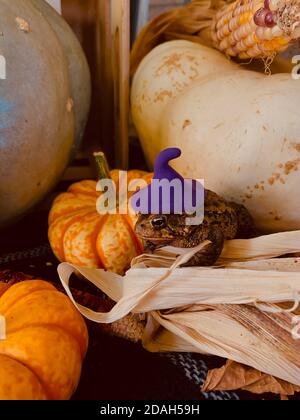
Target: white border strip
56, 4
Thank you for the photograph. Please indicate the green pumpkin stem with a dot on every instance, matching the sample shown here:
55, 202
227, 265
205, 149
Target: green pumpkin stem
102, 166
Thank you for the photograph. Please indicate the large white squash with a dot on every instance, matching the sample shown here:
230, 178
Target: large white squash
238, 129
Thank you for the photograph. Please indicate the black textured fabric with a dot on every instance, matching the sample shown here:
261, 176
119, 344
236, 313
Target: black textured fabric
42, 251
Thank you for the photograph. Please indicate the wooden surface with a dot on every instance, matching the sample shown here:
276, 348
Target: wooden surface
81, 15
103, 28
90, 21
160, 6
120, 22
104, 79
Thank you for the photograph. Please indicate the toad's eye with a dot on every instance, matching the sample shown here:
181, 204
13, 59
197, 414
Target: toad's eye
159, 222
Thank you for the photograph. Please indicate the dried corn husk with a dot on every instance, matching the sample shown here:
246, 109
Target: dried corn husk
243, 309
192, 22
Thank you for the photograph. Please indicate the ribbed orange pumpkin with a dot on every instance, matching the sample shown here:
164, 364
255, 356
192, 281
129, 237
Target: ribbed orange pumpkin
78, 234
43, 340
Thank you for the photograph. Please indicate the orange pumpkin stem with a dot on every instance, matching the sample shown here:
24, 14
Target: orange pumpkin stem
102, 166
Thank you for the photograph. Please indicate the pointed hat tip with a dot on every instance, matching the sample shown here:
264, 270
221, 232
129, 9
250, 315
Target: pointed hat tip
162, 169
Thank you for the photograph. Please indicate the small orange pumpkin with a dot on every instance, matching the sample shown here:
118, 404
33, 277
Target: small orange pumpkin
43, 341
78, 234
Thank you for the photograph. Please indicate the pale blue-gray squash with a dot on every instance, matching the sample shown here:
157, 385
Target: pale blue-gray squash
38, 104
79, 71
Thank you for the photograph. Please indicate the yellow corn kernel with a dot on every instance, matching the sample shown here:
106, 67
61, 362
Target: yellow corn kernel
248, 28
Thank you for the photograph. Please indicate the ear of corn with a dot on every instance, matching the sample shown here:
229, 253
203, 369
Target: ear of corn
240, 28
256, 28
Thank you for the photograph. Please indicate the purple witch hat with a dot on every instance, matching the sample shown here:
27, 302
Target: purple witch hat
169, 192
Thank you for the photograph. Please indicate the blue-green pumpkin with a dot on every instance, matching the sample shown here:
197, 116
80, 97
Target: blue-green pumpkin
78, 67
44, 103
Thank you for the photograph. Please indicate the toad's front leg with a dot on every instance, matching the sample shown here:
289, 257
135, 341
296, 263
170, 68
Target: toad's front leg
246, 226
209, 255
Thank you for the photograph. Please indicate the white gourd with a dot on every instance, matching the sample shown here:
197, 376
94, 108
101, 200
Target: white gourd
239, 130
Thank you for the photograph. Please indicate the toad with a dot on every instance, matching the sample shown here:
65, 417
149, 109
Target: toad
222, 221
